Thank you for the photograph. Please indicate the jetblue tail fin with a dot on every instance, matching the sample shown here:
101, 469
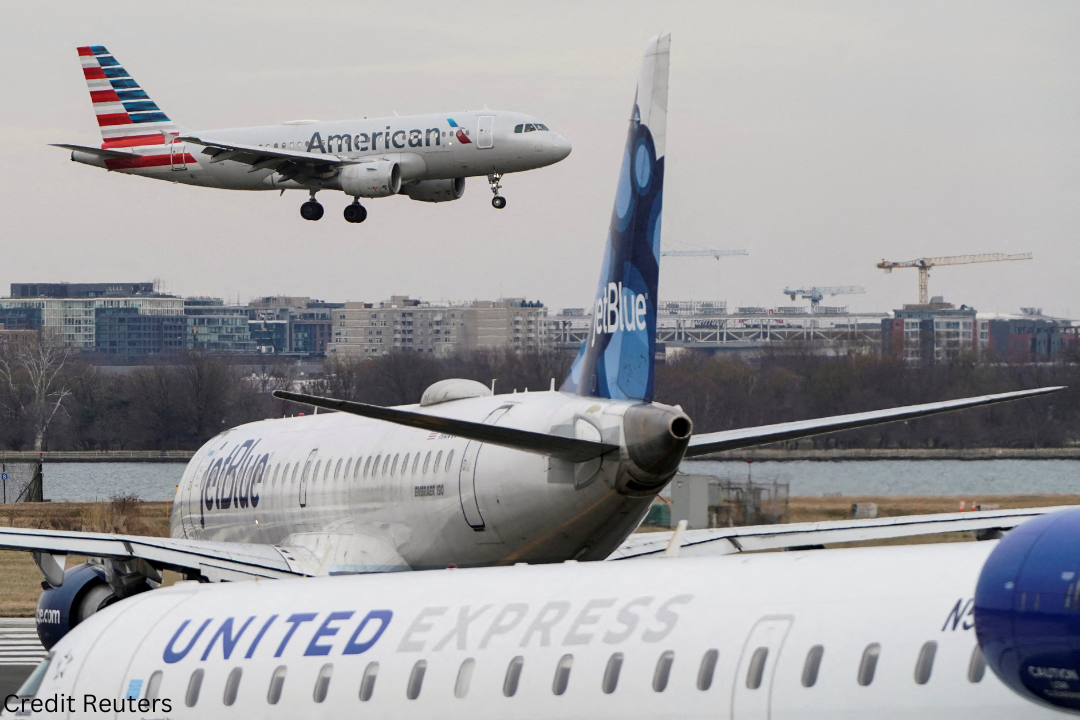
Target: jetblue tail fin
125, 113
618, 358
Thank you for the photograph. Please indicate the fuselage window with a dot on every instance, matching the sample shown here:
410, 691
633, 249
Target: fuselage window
464, 677
513, 675
295, 470
562, 674
518, 128
314, 475
375, 468
348, 467
386, 464
756, 671
356, 469
193, 687
663, 671
232, 685
427, 461
368, 463
393, 467
153, 685
367, 683
415, 463
285, 475
322, 683
337, 468
438, 459
405, 464
925, 664
277, 682
275, 144
812, 665
708, 667
977, 666
449, 459
611, 673
326, 473
416, 679
868, 664
277, 469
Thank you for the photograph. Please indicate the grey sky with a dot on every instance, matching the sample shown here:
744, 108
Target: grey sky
820, 136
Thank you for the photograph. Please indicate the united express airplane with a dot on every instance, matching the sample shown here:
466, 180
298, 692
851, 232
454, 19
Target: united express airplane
426, 157
465, 478
890, 633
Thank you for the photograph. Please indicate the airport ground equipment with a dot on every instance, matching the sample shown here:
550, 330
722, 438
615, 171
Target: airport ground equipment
816, 294
924, 265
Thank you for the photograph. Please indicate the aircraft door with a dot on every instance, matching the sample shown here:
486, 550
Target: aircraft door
304, 477
178, 155
751, 696
470, 506
485, 134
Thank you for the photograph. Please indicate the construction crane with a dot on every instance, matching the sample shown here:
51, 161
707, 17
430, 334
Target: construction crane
816, 294
702, 253
924, 265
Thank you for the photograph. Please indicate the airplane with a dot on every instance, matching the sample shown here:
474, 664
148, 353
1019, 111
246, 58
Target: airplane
900, 632
464, 478
426, 157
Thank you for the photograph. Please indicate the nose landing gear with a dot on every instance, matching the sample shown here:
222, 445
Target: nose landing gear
498, 202
311, 210
355, 213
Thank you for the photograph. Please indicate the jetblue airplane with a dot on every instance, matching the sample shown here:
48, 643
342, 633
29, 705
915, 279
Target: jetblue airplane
426, 157
896, 633
464, 478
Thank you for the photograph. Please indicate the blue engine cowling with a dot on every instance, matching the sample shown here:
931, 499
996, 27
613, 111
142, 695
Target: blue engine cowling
85, 591
1027, 610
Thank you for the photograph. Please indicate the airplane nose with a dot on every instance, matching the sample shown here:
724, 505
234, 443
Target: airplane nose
561, 147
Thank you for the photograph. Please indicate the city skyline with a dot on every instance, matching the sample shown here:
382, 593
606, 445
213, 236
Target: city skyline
820, 139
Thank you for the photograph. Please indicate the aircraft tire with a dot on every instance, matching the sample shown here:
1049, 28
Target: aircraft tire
498, 202
355, 213
311, 210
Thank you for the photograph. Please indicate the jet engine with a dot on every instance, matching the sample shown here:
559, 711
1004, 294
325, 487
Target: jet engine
435, 191
84, 591
376, 179
1027, 610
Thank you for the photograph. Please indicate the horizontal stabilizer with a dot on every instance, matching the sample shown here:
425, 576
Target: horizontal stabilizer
749, 437
564, 448
100, 152
726, 541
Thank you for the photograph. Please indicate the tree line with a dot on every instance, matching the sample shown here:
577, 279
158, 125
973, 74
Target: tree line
52, 399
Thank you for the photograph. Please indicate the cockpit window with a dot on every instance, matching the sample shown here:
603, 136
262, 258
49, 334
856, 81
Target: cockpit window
30, 687
530, 127
541, 127
518, 128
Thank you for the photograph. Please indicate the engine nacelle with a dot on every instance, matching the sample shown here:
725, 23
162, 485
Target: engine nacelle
436, 190
376, 179
85, 591
1027, 610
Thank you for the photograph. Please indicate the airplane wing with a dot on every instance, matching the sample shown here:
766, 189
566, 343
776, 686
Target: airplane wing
291, 164
707, 443
791, 536
215, 561
101, 152
572, 449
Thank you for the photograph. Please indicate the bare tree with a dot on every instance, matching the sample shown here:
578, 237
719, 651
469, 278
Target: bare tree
32, 373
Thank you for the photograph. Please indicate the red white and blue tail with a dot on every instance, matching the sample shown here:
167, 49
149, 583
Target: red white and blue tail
126, 115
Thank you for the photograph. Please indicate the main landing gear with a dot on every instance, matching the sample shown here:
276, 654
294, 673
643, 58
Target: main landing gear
311, 210
498, 202
355, 213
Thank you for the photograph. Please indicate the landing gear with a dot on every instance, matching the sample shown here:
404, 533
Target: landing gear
355, 213
498, 202
311, 210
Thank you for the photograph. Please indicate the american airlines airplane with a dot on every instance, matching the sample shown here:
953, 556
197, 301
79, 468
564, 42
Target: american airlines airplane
891, 632
426, 157
464, 478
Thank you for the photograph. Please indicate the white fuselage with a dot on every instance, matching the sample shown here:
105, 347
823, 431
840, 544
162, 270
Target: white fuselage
425, 146
401, 497
713, 638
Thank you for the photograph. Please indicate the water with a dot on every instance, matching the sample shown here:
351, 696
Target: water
155, 481
81, 482
908, 477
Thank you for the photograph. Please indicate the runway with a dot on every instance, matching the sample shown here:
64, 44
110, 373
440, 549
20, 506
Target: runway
20, 652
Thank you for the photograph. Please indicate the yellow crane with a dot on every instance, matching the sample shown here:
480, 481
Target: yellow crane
924, 265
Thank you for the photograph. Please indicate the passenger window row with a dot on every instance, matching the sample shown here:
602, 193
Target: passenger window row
390, 467
561, 679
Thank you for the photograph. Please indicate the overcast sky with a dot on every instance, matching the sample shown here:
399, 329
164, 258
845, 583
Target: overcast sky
821, 137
